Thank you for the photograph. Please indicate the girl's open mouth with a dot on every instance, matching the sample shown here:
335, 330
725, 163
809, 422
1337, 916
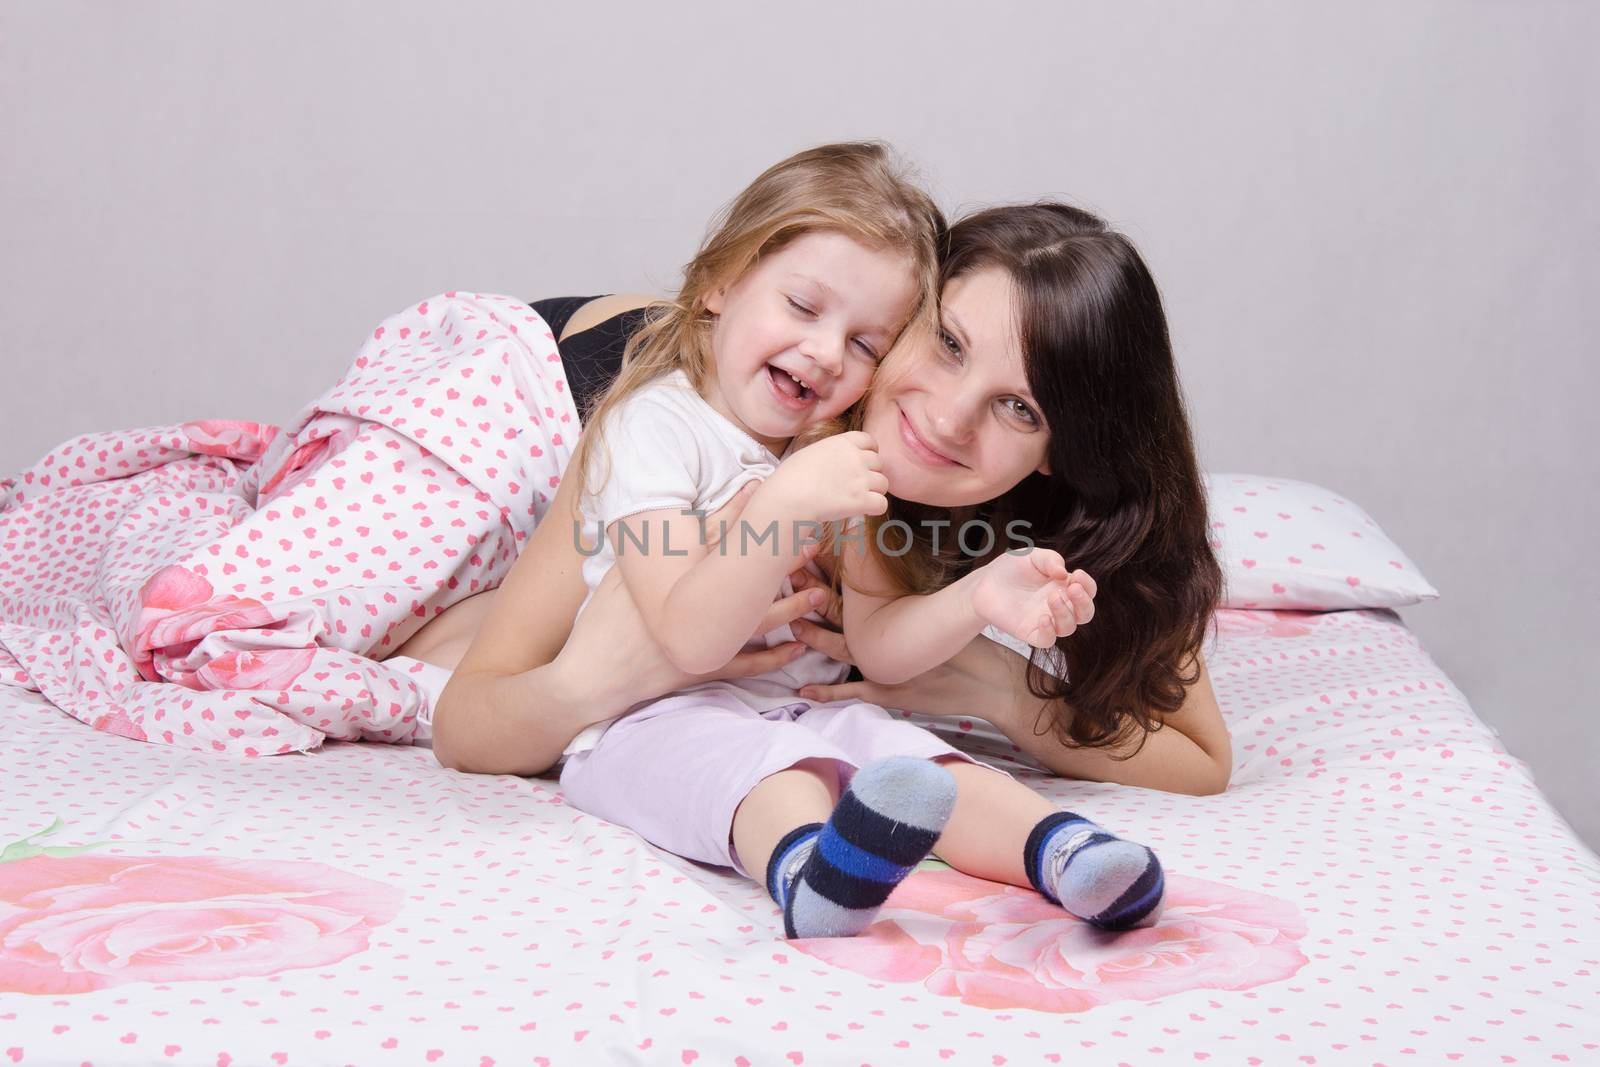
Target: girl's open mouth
789, 389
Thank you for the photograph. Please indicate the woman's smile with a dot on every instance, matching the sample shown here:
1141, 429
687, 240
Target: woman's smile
917, 446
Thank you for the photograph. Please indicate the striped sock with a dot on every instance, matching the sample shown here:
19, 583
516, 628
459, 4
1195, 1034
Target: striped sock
1099, 877
830, 880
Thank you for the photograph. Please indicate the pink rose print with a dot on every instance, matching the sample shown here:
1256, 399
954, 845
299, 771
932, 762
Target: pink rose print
270, 668
176, 609
301, 462
82, 923
116, 722
229, 438
1263, 623
997, 946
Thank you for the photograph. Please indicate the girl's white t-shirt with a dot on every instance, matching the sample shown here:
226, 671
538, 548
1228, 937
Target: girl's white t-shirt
666, 448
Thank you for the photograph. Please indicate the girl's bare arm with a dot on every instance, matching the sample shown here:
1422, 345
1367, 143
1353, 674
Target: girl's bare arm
1192, 753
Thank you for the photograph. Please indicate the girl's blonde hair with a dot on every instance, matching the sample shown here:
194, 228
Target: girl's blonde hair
857, 188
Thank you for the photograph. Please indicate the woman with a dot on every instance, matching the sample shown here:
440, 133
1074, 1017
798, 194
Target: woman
1049, 397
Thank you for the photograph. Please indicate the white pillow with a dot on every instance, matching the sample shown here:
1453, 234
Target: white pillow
1295, 546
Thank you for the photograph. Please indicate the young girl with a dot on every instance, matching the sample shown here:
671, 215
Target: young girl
784, 313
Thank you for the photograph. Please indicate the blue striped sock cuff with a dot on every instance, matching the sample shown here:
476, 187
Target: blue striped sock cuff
780, 855
1033, 851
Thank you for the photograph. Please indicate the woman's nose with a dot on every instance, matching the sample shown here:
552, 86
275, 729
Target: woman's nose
951, 416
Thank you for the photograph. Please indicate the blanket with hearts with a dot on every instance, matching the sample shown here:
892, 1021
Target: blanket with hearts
232, 587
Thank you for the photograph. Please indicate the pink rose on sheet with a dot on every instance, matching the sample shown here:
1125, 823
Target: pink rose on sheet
302, 461
176, 607
230, 438
267, 668
997, 946
1258, 622
77, 924
118, 723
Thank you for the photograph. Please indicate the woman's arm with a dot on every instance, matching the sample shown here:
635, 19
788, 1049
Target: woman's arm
526, 688
509, 708
1191, 754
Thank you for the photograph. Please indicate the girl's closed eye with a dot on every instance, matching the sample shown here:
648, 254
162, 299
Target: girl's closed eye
806, 311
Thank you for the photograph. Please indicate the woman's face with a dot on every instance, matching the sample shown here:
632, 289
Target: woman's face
951, 414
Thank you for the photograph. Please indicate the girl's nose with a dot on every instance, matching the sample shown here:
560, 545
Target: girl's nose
826, 351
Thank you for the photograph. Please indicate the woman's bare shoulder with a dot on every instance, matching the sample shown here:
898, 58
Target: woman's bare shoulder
602, 308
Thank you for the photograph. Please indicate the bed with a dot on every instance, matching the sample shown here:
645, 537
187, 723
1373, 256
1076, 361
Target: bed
212, 852
1381, 883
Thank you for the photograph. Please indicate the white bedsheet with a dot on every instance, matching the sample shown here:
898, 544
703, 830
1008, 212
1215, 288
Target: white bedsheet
1381, 884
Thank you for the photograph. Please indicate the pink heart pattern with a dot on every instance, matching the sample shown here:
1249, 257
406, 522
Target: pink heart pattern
1374, 826
1271, 536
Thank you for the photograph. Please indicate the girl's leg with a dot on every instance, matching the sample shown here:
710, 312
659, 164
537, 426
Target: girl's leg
987, 835
830, 878
1003, 831
779, 803
700, 774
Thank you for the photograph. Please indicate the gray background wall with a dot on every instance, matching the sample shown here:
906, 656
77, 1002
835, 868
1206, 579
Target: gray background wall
1376, 225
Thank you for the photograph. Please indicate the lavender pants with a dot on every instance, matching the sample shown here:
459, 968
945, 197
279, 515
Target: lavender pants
676, 770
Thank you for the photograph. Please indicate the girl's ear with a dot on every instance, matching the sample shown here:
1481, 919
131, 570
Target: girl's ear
715, 298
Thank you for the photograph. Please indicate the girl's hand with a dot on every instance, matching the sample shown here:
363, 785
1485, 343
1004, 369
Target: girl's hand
838, 477
1032, 597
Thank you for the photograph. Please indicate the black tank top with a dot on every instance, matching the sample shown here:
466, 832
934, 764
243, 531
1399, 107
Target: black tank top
591, 357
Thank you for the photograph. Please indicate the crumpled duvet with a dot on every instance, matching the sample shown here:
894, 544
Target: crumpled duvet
228, 586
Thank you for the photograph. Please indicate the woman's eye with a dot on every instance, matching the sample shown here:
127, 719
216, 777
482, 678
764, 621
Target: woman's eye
801, 308
951, 346
1021, 410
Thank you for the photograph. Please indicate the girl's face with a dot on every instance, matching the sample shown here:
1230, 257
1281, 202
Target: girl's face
799, 335
952, 416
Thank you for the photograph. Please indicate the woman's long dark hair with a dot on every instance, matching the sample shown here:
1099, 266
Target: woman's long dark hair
1124, 500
